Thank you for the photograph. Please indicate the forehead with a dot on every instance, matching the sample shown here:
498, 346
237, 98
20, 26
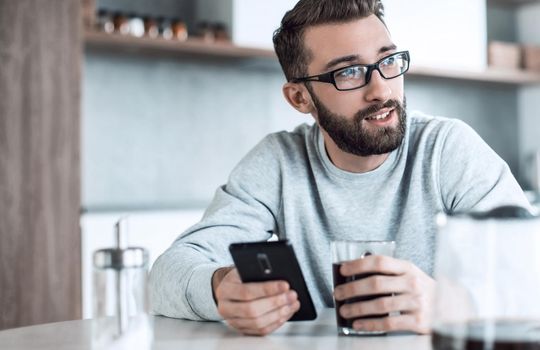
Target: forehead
363, 37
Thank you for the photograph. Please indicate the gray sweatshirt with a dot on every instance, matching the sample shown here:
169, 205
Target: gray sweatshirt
288, 186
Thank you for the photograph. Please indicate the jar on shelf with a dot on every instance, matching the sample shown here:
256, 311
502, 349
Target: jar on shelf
104, 21
220, 33
165, 28
179, 29
206, 32
151, 28
121, 23
136, 25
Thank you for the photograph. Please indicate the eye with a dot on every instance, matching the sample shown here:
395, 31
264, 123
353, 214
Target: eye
390, 61
354, 72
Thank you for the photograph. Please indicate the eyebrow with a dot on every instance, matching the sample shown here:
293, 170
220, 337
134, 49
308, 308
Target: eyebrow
355, 58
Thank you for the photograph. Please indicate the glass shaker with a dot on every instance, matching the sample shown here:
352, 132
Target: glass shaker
121, 304
488, 281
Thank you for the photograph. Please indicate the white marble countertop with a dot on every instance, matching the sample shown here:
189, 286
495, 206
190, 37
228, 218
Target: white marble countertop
181, 334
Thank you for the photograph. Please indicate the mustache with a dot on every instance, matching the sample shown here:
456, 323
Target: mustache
373, 109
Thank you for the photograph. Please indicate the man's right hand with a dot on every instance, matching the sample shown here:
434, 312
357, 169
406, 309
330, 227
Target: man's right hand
253, 308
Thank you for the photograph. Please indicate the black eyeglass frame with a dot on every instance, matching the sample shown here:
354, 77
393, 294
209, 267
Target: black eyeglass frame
328, 77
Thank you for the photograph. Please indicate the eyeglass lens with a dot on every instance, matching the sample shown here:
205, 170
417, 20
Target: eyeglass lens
356, 76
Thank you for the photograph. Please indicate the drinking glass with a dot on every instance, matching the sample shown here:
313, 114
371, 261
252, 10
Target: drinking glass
351, 250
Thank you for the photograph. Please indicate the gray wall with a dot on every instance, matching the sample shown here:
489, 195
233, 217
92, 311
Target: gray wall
529, 97
163, 132
166, 133
491, 109
501, 24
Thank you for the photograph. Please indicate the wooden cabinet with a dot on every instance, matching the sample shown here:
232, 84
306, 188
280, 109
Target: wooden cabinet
40, 258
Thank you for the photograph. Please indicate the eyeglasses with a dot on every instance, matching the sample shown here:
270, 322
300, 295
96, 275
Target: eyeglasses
359, 75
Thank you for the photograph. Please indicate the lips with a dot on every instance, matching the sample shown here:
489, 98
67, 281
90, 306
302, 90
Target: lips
380, 115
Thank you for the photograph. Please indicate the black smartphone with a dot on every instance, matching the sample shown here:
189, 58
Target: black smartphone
270, 261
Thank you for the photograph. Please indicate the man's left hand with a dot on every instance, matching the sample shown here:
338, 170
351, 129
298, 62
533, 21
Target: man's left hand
412, 295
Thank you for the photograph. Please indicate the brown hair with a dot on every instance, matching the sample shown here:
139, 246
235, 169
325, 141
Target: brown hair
288, 38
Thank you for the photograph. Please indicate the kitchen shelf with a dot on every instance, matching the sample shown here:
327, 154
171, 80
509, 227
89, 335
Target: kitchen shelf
490, 75
196, 47
117, 42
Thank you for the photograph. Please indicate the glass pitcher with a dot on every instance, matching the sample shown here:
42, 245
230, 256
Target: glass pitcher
487, 269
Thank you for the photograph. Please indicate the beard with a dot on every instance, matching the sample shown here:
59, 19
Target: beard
353, 136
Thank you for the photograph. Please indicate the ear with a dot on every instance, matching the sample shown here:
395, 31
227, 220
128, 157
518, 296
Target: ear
298, 96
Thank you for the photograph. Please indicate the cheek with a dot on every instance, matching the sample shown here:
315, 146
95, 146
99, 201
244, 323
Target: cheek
397, 89
352, 102
346, 103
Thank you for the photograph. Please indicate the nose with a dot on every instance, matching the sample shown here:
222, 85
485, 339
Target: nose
378, 88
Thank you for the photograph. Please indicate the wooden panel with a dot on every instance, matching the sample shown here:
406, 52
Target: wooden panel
88, 12
40, 58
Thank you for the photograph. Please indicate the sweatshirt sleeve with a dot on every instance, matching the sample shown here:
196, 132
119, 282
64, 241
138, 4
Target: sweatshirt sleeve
242, 210
472, 176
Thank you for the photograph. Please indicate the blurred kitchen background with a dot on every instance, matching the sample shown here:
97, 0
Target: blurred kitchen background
143, 107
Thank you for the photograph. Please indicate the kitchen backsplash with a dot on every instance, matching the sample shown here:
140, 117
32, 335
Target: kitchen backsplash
165, 132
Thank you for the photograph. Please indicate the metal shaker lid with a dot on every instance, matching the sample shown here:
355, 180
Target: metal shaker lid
113, 258
121, 256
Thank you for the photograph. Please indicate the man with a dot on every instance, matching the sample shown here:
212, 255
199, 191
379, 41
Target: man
364, 170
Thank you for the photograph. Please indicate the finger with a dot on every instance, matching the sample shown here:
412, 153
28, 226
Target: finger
233, 276
406, 322
372, 285
261, 332
266, 323
380, 306
376, 264
256, 308
250, 291
281, 314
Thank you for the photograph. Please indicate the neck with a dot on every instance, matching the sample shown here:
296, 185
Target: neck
350, 162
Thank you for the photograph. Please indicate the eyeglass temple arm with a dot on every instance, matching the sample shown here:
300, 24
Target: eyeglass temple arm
325, 78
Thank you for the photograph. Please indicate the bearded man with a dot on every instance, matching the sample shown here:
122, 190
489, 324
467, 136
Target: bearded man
365, 170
